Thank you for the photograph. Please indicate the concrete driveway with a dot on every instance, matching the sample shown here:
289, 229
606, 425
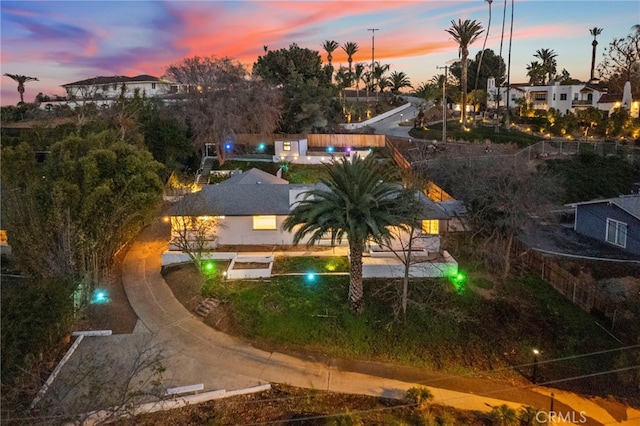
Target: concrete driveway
199, 354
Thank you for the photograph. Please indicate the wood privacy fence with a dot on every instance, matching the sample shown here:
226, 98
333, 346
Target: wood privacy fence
580, 292
317, 140
346, 140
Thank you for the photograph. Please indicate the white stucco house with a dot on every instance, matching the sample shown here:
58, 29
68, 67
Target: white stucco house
564, 98
249, 209
104, 90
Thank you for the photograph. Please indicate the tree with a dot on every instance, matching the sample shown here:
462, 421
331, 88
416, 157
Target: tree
21, 80
549, 64
621, 62
500, 198
595, 32
536, 73
399, 80
350, 48
223, 101
464, 33
378, 75
359, 203
358, 74
330, 46
90, 196
503, 415
290, 66
193, 235
492, 66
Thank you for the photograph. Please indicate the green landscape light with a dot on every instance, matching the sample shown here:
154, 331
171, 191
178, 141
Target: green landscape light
458, 280
209, 267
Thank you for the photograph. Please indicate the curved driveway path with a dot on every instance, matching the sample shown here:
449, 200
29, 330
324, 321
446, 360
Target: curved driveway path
195, 353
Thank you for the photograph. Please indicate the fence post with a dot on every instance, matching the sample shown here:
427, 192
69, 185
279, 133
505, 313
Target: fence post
573, 299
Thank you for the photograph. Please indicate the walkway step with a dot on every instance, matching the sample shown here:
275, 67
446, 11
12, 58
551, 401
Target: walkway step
204, 308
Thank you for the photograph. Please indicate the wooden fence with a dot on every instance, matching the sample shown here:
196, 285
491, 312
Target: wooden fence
581, 293
346, 140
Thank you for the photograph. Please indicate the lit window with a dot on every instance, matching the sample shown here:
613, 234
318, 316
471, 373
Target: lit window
264, 222
616, 232
431, 227
3, 237
286, 146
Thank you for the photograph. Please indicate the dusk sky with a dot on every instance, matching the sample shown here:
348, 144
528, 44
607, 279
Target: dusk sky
61, 42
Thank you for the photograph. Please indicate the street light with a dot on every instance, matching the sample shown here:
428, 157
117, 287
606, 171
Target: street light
534, 374
373, 32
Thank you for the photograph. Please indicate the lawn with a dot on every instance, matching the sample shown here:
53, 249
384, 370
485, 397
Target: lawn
471, 330
310, 264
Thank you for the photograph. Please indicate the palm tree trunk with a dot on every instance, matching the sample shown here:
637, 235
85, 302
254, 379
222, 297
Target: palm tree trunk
594, 43
463, 107
356, 290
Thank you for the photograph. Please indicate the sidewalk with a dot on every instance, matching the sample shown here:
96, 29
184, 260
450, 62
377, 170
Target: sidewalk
199, 354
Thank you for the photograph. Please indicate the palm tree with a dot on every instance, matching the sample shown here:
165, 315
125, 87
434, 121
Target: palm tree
536, 73
399, 80
350, 48
548, 58
21, 80
330, 46
359, 203
464, 33
484, 45
358, 74
595, 32
378, 75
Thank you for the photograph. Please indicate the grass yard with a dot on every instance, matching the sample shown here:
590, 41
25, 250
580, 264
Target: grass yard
472, 330
478, 133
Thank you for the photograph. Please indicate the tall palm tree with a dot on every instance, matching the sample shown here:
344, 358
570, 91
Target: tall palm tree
484, 45
548, 58
358, 74
378, 75
595, 32
350, 48
399, 80
536, 73
464, 33
360, 203
21, 80
330, 46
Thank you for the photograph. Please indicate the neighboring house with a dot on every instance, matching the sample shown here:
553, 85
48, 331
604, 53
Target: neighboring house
615, 221
249, 209
564, 98
105, 90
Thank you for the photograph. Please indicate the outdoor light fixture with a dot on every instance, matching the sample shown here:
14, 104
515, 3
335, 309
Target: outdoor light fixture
330, 149
227, 146
261, 146
311, 277
100, 297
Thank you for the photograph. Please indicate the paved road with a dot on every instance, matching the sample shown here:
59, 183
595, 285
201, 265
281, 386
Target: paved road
199, 354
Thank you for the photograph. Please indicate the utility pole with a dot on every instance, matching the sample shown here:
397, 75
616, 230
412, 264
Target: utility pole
373, 33
444, 103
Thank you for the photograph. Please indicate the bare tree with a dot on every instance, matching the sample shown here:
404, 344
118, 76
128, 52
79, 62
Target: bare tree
99, 385
500, 198
223, 101
193, 233
621, 62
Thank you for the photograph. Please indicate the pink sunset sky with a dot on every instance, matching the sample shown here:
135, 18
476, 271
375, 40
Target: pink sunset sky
61, 42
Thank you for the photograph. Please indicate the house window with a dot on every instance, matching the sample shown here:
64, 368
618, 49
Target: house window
554, 96
540, 96
173, 89
431, 227
105, 88
3, 237
563, 96
616, 233
264, 222
286, 146
590, 97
